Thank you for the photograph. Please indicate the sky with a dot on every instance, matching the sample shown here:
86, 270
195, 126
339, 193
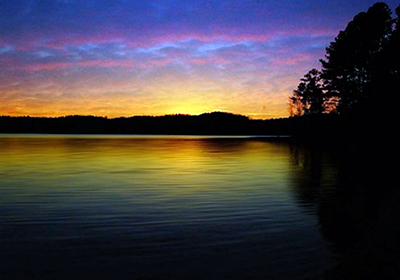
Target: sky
122, 58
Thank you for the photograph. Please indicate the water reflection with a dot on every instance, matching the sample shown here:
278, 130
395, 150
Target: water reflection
196, 207
354, 192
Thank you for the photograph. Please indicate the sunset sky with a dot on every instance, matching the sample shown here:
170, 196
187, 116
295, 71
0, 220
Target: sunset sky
122, 58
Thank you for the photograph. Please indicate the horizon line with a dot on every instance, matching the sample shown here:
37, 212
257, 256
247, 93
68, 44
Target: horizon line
132, 116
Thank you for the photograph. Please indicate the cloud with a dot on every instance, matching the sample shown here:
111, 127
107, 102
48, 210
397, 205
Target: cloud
148, 22
157, 57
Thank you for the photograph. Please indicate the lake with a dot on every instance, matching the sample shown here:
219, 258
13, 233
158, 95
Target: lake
166, 207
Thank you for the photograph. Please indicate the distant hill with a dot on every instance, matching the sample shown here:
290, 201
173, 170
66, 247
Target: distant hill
322, 129
215, 123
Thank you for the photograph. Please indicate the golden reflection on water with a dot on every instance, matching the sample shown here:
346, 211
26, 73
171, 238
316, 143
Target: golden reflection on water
172, 165
187, 203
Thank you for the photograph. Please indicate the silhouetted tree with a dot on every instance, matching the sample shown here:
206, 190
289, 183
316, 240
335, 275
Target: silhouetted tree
216, 123
295, 106
389, 69
395, 45
309, 97
350, 62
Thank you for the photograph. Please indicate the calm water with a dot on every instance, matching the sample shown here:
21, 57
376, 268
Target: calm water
116, 207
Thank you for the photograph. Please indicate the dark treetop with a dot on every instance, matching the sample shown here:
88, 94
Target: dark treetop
216, 123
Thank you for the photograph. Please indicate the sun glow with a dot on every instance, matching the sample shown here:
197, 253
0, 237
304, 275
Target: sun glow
113, 70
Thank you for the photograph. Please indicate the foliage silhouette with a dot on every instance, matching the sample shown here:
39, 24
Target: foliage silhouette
388, 68
351, 59
309, 97
216, 123
360, 71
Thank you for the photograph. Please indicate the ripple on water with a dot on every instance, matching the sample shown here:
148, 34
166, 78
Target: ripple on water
196, 207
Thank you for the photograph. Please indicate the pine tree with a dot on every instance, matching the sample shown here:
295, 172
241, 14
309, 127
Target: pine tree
351, 59
309, 97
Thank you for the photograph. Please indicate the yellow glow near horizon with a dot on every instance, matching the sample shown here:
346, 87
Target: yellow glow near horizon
158, 102
56, 111
174, 166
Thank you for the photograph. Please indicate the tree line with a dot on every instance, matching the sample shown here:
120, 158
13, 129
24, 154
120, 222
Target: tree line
216, 123
360, 71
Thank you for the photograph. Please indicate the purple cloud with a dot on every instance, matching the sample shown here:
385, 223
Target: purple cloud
159, 53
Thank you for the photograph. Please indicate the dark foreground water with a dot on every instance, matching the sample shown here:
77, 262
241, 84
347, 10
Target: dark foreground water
115, 207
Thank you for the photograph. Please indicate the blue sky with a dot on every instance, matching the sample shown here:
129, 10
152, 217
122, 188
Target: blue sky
123, 58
